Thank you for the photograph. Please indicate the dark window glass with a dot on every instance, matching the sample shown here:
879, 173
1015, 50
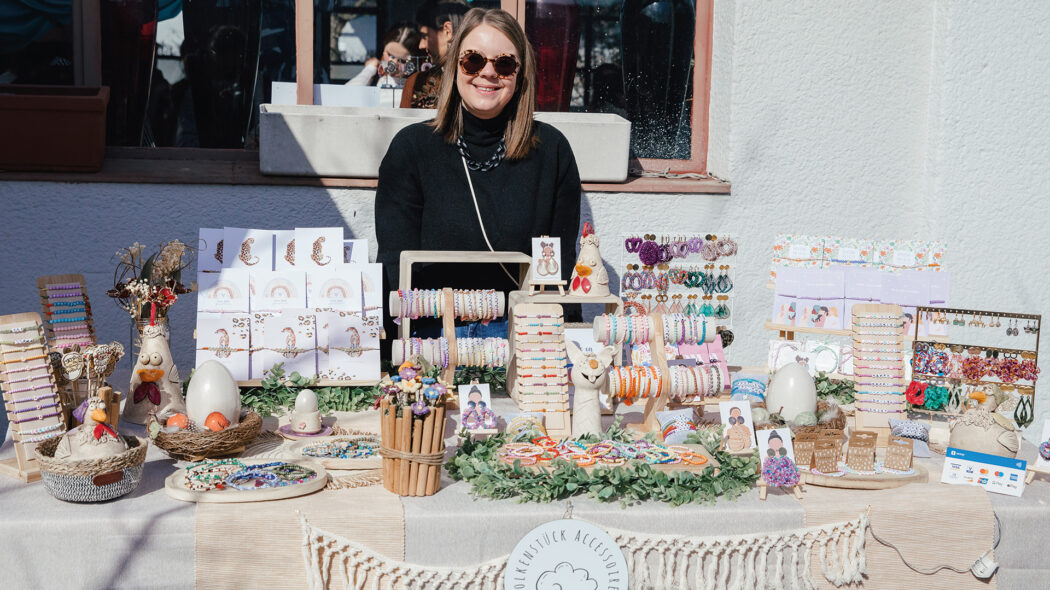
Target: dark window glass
36, 43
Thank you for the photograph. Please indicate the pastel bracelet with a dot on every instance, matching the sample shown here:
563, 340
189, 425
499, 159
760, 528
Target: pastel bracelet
32, 418
44, 407
42, 429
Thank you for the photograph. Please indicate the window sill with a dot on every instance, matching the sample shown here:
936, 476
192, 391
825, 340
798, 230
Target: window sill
203, 166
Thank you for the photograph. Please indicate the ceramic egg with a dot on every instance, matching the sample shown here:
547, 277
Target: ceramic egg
216, 422
791, 388
213, 389
306, 402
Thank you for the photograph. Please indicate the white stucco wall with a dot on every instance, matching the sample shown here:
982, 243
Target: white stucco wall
896, 119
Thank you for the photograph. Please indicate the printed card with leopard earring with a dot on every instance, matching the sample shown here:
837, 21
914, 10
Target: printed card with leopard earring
589, 276
588, 377
318, 248
247, 248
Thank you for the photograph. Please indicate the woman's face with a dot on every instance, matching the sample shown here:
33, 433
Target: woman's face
485, 95
395, 50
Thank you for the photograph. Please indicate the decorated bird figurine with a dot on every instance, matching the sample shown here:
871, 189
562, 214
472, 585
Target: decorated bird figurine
94, 439
155, 383
589, 277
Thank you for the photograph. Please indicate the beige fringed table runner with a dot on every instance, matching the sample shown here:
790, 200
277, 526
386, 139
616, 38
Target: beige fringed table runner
658, 562
931, 523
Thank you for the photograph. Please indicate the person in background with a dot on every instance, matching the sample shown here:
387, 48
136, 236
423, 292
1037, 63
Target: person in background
400, 45
438, 23
483, 175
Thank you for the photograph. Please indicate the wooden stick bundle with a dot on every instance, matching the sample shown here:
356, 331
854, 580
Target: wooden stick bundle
412, 434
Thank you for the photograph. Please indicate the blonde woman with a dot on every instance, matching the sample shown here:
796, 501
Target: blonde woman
482, 175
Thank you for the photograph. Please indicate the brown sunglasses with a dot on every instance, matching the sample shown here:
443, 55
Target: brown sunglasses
472, 62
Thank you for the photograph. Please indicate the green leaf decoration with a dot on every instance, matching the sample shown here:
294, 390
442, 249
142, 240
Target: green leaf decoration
147, 268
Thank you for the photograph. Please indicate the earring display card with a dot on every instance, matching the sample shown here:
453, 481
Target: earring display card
348, 345
796, 251
277, 290
223, 291
247, 248
291, 338
225, 338
284, 249
847, 252
546, 258
739, 433
67, 311
31, 400
355, 251
371, 286
210, 249
318, 247
337, 288
897, 255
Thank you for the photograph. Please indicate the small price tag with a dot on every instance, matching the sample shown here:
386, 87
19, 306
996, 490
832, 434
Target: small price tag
848, 255
799, 252
903, 258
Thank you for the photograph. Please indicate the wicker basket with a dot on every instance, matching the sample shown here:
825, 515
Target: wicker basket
91, 480
195, 446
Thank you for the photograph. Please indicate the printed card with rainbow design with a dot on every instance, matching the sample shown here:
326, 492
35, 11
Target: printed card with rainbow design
224, 337
223, 291
278, 290
339, 288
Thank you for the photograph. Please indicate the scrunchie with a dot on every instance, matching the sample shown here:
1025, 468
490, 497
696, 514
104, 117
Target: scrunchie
936, 398
916, 393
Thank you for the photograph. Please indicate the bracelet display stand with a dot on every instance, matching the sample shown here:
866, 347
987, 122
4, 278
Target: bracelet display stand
30, 398
655, 339
977, 318
448, 325
540, 381
54, 306
878, 361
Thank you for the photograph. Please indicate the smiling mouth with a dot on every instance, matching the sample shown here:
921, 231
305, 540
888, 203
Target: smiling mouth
486, 89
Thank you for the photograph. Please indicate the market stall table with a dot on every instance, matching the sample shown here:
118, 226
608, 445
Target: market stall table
148, 539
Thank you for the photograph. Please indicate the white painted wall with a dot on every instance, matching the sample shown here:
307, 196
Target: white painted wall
892, 119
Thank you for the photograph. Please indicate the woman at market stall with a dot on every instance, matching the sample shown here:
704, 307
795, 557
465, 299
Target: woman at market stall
482, 175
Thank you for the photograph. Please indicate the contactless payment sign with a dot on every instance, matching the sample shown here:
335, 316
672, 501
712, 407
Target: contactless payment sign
995, 474
565, 554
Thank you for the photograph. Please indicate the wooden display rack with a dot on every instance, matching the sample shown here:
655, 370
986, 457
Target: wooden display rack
72, 394
975, 313
553, 401
24, 465
871, 421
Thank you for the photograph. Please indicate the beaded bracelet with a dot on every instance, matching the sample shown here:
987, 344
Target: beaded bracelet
43, 429
41, 438
32, 418
33, 409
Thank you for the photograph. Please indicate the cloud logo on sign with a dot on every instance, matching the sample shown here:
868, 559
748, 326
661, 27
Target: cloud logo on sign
565, 577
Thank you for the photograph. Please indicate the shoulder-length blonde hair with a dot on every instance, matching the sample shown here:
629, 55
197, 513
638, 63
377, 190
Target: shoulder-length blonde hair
449, 120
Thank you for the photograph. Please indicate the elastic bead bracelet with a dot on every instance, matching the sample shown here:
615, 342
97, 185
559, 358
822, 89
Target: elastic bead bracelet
32, 418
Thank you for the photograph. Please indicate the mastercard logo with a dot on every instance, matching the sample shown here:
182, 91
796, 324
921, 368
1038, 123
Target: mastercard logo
984, 472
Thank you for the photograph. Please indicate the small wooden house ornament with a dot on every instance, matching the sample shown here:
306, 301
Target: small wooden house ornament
826, 455
860, 454
899, 453
804, 443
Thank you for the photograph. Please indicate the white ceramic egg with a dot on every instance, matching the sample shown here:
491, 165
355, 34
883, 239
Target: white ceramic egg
792, 388
213, 389
305, 402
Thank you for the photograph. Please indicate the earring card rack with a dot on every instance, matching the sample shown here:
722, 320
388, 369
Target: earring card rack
31, 399
878, 360
957, 317
538, 378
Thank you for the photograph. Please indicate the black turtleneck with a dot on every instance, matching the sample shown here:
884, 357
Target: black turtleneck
423, 202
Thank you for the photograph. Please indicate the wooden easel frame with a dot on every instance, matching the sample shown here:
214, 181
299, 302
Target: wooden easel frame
23, 466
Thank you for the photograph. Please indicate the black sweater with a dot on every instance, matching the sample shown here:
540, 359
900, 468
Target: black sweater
423, 202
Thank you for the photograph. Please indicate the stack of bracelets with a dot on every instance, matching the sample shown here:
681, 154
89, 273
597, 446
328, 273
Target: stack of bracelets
344, 448
68, 314
218, 475
470, 352
607, 452
638, 329
686, 382
471, 306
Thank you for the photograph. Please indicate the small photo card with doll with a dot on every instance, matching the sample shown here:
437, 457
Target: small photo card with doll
284, 249
224, 337
223, 291
775, 443
247, 248
475, 407
355, 251
546, 260
739, 432
318, 247
209, 252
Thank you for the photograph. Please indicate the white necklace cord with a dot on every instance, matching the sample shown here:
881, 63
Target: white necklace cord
477, 210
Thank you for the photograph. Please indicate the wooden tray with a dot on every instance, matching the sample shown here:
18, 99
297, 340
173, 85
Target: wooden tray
865, 482
667, 467
295, 453
175, 487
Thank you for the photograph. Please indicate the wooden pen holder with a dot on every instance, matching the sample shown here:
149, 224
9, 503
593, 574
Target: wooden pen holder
413, 449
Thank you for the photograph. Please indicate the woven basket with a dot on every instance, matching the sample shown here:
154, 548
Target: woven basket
195, 446
91, 480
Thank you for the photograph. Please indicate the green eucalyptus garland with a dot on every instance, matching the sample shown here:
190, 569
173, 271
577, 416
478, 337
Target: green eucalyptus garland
477, 463
277, 393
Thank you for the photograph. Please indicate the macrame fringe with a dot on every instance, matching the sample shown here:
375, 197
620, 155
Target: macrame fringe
358, 480
656, 562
